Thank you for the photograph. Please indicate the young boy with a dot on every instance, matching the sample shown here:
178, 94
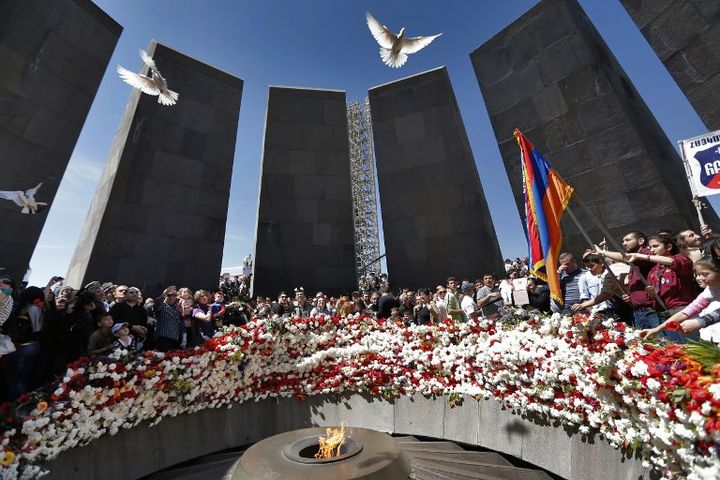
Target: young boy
123, 339
102, 339
218, 309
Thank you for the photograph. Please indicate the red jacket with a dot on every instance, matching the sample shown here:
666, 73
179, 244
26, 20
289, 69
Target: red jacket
675, 284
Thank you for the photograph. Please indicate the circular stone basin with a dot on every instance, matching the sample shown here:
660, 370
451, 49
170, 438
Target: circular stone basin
366, 455
304, 450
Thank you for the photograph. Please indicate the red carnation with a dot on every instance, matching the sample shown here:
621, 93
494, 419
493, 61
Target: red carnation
673, 326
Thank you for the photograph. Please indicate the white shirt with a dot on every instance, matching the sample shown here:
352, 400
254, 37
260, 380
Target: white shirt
442, 309
468, 305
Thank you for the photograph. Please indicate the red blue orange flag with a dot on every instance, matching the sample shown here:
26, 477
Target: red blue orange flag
546, 198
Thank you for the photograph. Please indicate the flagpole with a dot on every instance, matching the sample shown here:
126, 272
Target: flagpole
609, 236
688, 173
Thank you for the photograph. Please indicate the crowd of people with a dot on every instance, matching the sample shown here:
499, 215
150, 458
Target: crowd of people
655, 283
44, 329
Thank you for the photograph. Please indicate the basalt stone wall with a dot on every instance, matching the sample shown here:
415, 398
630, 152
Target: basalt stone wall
685, 34
435, 216
53, 56
550, 74
304, 236
159, 213
484, 423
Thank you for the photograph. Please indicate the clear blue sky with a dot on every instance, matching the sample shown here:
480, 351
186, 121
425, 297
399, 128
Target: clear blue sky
325, 44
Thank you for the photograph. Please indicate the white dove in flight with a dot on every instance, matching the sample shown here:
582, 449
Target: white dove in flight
394, 49
155, 84
26, 200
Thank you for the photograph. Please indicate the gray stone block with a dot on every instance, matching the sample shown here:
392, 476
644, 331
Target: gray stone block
542, 437
418, 415
305, 207
587, 120
500, 430
47, 84
423, 160
462, 422
685, 35
178, 208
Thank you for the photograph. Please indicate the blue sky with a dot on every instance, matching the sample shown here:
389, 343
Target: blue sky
325, 44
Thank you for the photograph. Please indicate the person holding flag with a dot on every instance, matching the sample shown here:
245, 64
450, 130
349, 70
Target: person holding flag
546, 198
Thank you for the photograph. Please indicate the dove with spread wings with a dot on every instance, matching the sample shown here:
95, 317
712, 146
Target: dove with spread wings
394, 49
155, 84
25, 199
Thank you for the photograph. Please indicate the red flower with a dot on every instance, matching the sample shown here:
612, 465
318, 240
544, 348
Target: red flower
673, 326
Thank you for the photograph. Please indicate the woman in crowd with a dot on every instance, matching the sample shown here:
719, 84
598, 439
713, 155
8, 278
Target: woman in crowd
6, 299
671, 278
202, 318
320, 308
425, 311
82, 323
538, 295
29, 323
186, 303
708, 274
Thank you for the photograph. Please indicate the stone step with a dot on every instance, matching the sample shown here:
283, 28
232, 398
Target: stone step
201, 471
479, 471
431, 446
406, 439
424, 474
490, 458
421, 473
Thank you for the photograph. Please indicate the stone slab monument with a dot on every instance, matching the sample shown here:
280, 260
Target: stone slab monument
685, 34
53, 57
435, 217
551, 75
159, 212
304, 235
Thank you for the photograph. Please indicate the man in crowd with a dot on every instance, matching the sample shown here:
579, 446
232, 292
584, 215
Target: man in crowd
644, 313
282, 306
386, 303
131, 312
170, 324
570, 275
468, 305
454, 310
489, 299
407, 302
118, 295
301, 307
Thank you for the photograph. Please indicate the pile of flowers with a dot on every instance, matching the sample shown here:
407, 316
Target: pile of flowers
662, 400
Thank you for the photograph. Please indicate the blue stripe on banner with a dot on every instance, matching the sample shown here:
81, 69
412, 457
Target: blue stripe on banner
540, 186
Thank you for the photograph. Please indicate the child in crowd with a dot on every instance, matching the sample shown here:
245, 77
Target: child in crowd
395, 315
101, 340
407, 316
218, 309
124, 340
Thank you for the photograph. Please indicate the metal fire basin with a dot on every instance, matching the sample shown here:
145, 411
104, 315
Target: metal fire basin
366, 455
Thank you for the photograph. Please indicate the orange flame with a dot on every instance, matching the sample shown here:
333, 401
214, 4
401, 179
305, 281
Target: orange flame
332, 441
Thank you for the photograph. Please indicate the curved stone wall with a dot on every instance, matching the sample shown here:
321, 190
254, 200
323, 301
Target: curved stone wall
140, 451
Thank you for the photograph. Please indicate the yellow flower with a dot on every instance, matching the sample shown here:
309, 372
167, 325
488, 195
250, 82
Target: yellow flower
41, 406
8, 458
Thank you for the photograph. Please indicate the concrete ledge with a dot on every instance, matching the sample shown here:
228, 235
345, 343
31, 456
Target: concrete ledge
140, 451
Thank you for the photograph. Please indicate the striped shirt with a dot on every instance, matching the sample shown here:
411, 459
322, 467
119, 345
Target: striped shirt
170, 323
569, 283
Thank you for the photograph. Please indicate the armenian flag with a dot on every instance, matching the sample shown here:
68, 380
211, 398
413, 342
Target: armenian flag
546, 198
